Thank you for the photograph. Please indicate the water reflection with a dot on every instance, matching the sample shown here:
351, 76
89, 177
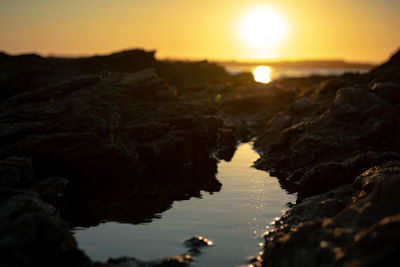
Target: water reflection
234, 219
290, 72
138, 199
262, 74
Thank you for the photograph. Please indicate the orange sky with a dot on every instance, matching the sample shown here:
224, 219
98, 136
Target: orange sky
356, 30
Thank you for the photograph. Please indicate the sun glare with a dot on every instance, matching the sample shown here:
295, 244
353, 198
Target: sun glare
262, 74
262, 27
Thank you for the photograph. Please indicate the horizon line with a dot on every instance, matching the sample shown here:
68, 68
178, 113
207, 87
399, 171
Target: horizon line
195, 58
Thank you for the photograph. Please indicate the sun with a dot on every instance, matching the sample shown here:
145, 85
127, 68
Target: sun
262, 74
262, 27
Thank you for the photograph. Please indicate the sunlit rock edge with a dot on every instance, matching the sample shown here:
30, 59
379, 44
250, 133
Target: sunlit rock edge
340, 152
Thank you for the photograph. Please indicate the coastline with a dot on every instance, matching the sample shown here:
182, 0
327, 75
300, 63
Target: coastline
67, 126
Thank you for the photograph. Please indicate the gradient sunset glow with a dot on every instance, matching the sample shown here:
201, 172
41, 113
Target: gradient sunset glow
359, 30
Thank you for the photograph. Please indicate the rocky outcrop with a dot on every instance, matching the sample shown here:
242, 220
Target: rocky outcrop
108, 125
94, 145
318, 149
124, 137
23, 73
338, 147
32, 234
352, 225
109, 146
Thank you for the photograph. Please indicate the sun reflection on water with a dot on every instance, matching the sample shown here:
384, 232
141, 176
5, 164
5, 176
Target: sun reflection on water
262, 74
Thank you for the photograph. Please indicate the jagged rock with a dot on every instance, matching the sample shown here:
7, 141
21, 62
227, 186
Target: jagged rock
356, 120
312, 184
132, 129
341, 156
97, 126
388, 71
23, 73
125, 139
342, 227
325, 176
353, 103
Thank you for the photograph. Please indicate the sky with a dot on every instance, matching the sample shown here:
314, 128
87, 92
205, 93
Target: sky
353, 30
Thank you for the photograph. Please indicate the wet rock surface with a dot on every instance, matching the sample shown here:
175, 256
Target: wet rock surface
338, 147
195, 243
352, 225
347, 132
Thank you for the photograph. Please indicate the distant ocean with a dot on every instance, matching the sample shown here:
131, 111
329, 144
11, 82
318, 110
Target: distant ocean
292, 72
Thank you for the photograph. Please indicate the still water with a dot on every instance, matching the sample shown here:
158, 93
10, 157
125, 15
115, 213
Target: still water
266, 74
234, 219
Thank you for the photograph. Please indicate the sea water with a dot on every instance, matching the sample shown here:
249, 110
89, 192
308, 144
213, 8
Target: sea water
234, 219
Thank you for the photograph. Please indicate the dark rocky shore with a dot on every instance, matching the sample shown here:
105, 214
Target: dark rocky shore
337, 145
86, 148
120, 137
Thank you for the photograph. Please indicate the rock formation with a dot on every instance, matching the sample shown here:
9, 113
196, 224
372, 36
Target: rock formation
340, 153
77, 134
77, 141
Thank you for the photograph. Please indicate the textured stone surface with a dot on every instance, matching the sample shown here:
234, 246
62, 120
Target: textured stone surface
97, 126
342, 158
352, 225
101, 141
311, 154
118, 146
